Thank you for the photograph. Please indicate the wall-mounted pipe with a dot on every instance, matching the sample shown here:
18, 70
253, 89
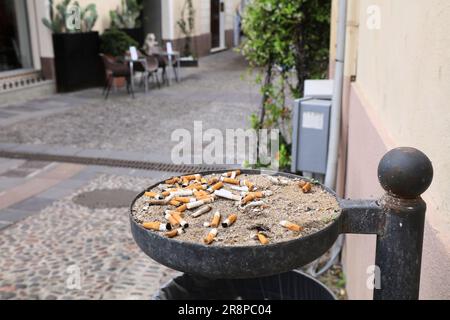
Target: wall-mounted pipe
336, 109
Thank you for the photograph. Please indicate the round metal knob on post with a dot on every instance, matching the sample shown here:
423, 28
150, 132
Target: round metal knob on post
405, 173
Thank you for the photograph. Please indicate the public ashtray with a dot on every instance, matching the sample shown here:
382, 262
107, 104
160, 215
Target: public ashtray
397, 219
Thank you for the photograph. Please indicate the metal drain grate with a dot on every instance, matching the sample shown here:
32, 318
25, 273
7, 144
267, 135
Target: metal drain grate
142, 165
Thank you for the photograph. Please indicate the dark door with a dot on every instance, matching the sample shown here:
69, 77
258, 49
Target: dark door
152, 18
215, 23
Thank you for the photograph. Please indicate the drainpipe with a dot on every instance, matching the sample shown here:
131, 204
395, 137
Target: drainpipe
336, 109
335, 128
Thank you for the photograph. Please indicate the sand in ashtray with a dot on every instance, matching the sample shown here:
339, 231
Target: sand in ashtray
313, 211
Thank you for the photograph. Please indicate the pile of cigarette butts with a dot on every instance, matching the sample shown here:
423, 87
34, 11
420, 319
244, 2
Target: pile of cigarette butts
193, 195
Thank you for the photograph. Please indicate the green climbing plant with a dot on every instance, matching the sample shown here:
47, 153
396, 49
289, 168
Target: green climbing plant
187, 25
286, 43
127, 15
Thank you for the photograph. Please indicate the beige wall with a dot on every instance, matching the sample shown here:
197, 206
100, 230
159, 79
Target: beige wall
202, 15
401, 94
43, 37
103, 8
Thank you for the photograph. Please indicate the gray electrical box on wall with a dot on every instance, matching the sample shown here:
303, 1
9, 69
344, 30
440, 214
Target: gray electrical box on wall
311, 128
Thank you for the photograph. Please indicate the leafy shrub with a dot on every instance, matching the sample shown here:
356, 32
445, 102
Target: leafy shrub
116, 42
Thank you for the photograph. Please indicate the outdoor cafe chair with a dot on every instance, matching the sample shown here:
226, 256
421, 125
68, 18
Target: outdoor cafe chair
115, 69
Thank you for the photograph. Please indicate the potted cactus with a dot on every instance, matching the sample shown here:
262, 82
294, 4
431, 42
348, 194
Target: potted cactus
126, 18
75, 45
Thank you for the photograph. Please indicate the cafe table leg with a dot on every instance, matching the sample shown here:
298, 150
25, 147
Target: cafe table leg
132, 76
171, 67
178, 75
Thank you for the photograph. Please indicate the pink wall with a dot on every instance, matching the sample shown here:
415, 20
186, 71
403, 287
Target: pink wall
365, 150
367, 143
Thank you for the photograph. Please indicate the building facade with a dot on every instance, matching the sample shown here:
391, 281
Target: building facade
26, 49
397, 82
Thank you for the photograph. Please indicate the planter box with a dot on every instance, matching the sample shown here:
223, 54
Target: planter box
77, 63
188, 62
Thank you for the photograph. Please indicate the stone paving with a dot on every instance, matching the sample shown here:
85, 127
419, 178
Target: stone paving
53, 248
85, 124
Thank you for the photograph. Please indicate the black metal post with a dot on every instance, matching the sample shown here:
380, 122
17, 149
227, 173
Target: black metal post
404, 173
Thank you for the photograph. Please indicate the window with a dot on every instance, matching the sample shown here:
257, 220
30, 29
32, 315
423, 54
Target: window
15, 49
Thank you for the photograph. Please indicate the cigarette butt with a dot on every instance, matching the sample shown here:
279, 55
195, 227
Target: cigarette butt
174, 203
213, 181
157, 202
255, 195
206, 199
185, 182
229, 221
195, 186
248, 198
306, 188
179, 219
196, 204
172, 180
262, 238
301, 183
166, 193
181, 208
227, 195
182, 193
200, 194
248, 184
291, 226
191, 177
171, 212
153, 195
185, 199
232, 174
174, 222
217, 186
216, 219
210, 237
174, 233
231, 181
206, 224
157, 226
201, 211
203, 181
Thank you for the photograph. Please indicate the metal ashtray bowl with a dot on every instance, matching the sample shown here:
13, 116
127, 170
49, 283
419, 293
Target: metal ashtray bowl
237, 262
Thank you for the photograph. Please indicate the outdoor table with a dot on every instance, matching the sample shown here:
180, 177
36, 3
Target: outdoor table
169, 55
143, 61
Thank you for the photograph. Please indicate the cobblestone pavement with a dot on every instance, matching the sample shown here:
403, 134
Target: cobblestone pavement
46, 240
145, 124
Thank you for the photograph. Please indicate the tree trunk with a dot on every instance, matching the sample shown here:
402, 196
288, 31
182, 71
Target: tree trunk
267, 81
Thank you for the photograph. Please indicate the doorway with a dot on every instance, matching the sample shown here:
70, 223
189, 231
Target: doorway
15, 48
217, 24
152, 21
